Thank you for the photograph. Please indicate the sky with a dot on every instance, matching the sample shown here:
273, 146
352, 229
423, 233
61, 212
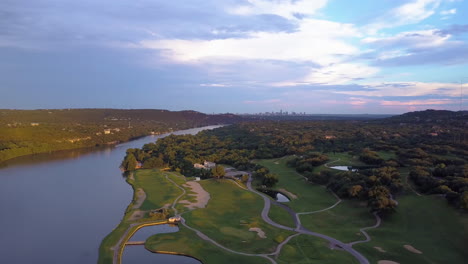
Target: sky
238, 56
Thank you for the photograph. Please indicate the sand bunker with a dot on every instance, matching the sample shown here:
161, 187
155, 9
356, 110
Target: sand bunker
289, 194
200, 195
412, 249
387, 262
259, 231
380, 249
140, 198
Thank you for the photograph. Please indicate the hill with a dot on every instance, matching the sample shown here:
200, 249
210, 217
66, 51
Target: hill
24, 132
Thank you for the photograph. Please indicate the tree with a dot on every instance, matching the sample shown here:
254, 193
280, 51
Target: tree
355, 190
218, 171
245, 178
129, 163
269, 180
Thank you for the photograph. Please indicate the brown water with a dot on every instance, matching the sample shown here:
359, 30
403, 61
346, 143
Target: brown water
57, 207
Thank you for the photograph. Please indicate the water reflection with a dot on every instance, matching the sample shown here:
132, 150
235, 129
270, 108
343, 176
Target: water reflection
139, 254
58, 206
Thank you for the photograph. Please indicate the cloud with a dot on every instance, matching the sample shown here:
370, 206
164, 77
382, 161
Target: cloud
214, 85
452, 11
410, 39
285, 8
406, 89
420, 102
317, 41
406, 14
423, 47
339, 73
454, 30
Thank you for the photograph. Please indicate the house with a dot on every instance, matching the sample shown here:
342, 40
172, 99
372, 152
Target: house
198, 166
206, 165
107, 131
175, 219
34, 124
209, 165
329, 137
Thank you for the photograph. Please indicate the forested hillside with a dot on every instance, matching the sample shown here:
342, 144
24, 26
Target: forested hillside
24, 132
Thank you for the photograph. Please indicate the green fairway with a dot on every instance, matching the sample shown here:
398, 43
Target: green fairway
228, 216
342, 222
281, 216
312, 250
428, 224
187, 242
159, 191
310, 197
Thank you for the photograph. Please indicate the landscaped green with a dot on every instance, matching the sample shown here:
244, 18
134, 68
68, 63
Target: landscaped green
310, 197
159, 191
342, 222
228, 216
428, 224
187, 242
281, 216
305, 249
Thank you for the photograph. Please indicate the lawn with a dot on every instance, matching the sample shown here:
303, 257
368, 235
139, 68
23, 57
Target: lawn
281, 216
305, 249
159, 191
428, 224
228, 216
342, 222
187, 242
310, 197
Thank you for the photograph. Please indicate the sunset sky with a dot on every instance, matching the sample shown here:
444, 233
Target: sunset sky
241, 56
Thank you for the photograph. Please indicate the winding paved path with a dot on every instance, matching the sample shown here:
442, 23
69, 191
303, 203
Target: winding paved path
363, 230
299, 228
302, 230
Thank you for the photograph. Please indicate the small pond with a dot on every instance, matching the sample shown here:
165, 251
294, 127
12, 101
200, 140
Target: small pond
278, 196
343, 168
282, 198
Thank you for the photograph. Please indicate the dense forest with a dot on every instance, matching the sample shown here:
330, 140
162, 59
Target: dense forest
24, 132
432, 145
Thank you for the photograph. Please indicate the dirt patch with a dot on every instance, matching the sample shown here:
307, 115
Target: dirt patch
289, 194
200, 195
387, 262
259, 231
380, 249
138, 214
140, 196
276, 162
412, 249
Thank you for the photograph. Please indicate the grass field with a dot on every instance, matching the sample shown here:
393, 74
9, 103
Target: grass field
187, 242
281, 216
159, 191
342, 222
310, 197
305, 249
426, 223
228, 216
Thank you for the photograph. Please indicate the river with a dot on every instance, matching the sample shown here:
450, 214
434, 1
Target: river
57, 207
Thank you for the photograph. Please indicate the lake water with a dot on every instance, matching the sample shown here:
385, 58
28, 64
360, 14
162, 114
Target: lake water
281, 198
139, 254
343, 168
57, 207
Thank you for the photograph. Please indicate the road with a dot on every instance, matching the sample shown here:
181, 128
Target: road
302, 230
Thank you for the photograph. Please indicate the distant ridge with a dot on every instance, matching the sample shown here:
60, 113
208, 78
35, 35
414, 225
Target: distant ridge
426, 116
